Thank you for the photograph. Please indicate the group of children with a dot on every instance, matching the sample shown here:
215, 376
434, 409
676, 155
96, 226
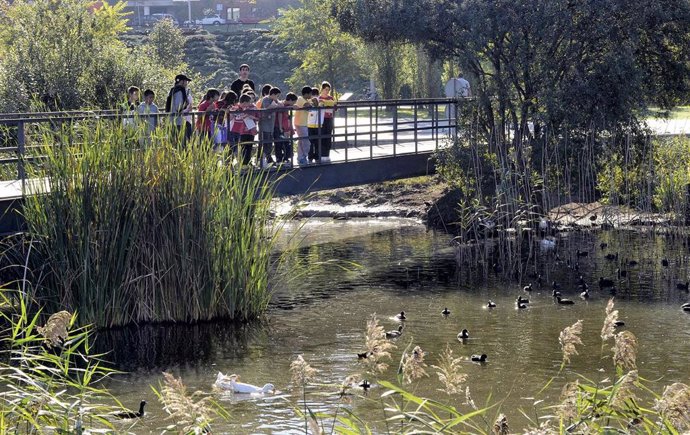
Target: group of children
235, 117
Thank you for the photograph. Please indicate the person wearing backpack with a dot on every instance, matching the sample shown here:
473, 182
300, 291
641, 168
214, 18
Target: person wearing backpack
178, 105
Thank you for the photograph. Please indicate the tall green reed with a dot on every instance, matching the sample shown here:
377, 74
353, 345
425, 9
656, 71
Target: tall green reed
127, 231
52, 381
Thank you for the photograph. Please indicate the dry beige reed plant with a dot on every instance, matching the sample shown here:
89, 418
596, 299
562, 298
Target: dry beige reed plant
190, 412
625, 390
413, 365
567, 410
468, 399
55, 329
625, 351
350, 382
609, 329
314, 428
501, 425
378, 347
448, 372
302, 372
569, 338
674, 406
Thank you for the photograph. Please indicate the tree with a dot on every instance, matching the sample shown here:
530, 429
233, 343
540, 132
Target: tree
167, 44
62, 54
553, 62
313, 36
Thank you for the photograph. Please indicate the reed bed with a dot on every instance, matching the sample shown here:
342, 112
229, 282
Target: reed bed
134, 231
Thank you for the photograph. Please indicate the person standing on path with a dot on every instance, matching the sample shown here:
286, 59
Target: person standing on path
243, 80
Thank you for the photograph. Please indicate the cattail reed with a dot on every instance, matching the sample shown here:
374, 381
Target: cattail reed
624, 390
501, 425
448, 372
567, 409
625, 351
302, 372
190, 412
674, 406
569, 338
377, 346
413, 365
609, 329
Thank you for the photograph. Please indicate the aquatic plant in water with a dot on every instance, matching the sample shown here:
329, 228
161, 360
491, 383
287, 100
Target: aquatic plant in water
129, 233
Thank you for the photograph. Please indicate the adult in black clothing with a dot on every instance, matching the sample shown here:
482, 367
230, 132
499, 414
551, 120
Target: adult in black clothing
238, 84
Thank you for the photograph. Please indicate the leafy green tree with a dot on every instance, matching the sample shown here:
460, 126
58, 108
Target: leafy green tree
167, 44
313, 36
62, 54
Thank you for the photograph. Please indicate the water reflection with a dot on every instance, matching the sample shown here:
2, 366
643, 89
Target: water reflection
321, 307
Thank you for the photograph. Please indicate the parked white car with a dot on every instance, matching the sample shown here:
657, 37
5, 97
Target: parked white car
215, 20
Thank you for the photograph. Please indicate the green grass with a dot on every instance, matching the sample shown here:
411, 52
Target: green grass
680, 112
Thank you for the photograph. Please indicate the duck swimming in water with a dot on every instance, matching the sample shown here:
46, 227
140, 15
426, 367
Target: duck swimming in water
564, 301
445, 312
127, 414
685, 307
401, 316
527, 288
521, 300
395, 334
556, 294
478, 358
231, 383
464, 334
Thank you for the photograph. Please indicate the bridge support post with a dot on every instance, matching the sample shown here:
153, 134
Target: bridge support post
21, 148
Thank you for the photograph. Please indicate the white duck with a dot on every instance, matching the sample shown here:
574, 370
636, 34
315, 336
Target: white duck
230, 383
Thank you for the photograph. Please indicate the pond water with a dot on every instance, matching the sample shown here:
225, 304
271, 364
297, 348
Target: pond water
345, 271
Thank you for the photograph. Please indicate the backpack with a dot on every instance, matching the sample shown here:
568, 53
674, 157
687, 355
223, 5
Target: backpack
169, 99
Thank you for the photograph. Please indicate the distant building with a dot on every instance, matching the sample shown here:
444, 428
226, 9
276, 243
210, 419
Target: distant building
235, 11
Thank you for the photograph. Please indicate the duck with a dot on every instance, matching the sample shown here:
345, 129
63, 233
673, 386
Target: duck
664, 262
365, 385
527, 288
464, 334
604, 282
491, 304
585, 294
127, 413
564, 301
521, 305
685, 305
445, 311
611, 257
581, 253
478, 358
556, 294
521, 300
231, 383
619, 323
681, 286
363, 355
401, 316
395, 334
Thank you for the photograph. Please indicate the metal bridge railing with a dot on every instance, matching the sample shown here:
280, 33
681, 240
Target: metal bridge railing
362, 130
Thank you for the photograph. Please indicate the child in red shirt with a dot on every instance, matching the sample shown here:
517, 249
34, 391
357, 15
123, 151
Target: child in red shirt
204, 121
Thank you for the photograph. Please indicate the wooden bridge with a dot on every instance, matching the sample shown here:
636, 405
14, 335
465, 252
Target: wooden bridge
373, 141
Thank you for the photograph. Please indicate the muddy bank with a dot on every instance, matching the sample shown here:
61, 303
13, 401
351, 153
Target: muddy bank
409, 198
433, 202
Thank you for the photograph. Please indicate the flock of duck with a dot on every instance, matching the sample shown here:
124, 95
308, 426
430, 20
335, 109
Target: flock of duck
232, 383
